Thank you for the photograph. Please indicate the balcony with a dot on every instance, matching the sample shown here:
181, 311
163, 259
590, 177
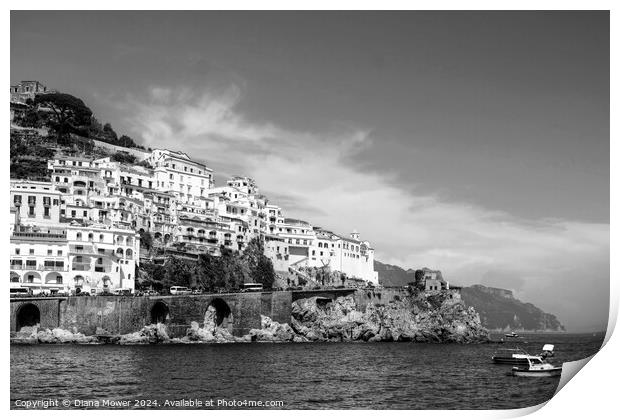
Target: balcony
39, 236
52, 268
84, 250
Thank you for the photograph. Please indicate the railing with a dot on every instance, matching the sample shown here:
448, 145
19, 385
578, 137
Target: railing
52, 268
80, 267
40, 235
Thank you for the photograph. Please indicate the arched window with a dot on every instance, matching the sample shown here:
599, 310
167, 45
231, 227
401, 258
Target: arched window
79, 236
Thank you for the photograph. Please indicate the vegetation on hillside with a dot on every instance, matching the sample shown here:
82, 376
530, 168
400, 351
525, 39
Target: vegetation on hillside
65, 114
229, 271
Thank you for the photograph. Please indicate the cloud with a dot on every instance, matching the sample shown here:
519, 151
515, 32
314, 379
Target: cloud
556, 264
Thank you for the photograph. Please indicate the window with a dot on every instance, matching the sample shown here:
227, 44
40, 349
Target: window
46, 212
31, 251
59, 252
31, 211
101, 237
16, 251
79, 236
85, 212
47, 201
17, 200
49, 252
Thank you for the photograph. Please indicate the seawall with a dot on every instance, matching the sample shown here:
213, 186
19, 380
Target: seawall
238, 312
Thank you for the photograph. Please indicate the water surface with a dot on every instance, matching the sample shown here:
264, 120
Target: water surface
302, 376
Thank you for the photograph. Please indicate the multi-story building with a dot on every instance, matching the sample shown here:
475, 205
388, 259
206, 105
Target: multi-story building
73, 258
27, 89
176, 172
36, 203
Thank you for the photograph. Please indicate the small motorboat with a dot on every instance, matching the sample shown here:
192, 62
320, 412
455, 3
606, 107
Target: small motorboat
547, 351
536, 368
512, 335
514, 356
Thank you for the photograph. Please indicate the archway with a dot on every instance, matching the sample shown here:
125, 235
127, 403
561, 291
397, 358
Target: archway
219, 314
53, 277
15, 277
159, 313
27, 315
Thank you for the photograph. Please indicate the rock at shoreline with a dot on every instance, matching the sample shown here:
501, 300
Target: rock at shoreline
151, 334
274, 331
442, 319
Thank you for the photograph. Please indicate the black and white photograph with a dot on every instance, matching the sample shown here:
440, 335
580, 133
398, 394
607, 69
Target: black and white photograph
306, 210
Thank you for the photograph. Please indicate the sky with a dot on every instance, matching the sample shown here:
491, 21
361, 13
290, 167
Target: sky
476, 143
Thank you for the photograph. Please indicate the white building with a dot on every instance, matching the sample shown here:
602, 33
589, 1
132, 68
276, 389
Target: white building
176, 172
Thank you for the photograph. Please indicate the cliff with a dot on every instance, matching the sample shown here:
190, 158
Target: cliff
499, 310
421, 318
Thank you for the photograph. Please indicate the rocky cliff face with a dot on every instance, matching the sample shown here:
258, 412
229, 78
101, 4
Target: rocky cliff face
436, 319
499, 310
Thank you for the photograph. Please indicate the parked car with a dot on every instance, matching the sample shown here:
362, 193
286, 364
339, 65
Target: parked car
123, 292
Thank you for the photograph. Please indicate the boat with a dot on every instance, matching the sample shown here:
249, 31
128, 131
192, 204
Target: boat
536, 367
514, 356
512, 335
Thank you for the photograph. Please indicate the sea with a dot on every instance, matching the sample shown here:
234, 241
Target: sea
285, 375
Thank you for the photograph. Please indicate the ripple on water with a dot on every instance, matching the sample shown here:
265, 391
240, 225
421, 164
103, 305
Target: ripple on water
304, 376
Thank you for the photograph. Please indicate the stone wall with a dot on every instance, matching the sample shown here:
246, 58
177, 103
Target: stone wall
122, 315
48, 309
363, 297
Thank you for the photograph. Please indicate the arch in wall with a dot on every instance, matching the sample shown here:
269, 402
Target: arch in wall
159, 313
27, 315
15, 278
36, 277
218, 314
53, 277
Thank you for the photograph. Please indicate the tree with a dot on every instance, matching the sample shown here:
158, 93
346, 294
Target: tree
68, 114
146, 239
178, 273
210, 272
258, 264
110, 134
123, 157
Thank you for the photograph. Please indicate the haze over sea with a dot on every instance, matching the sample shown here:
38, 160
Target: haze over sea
303, 376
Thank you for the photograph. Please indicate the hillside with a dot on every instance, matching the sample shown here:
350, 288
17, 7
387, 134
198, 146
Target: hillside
498, 308
393, 275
